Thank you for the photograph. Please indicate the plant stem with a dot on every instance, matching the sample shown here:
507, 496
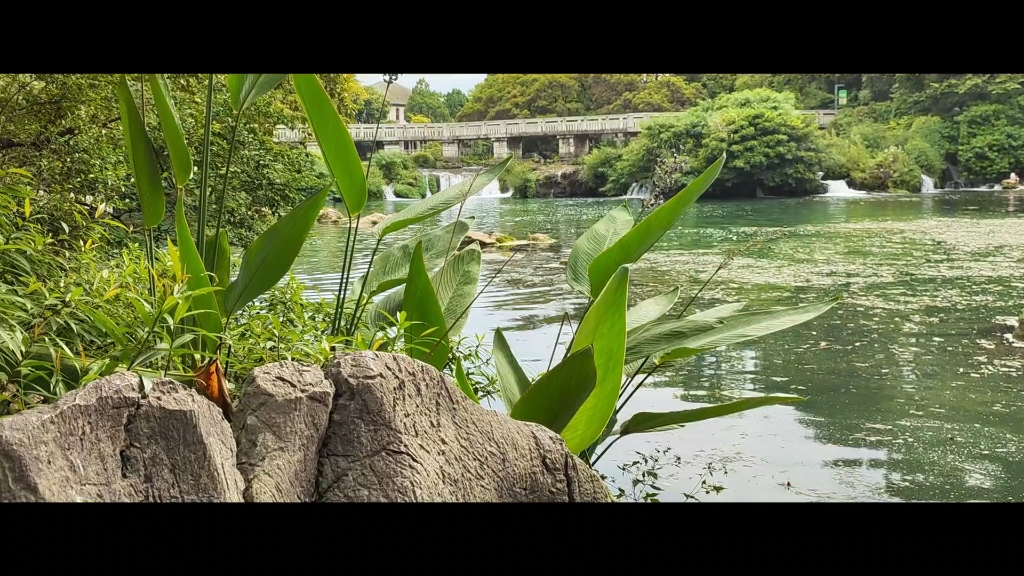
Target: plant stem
633, 377
637, 387
335, 322
224, 188
362, 287
557, 338
610, 444
351, 259
205, 171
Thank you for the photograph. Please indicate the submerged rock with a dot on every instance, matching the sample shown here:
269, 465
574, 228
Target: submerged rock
540, 238
472, 236
330, 216
399, 431
371, 220
106, 443
279, 424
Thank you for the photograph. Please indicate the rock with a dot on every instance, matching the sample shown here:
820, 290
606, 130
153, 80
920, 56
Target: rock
279, 424
472, 236
543, 238
504, 239
1010, 185
105, 443
330, 216
399, 431
371, 220
565, 182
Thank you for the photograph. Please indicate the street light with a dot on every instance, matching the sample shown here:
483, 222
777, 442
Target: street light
839, 94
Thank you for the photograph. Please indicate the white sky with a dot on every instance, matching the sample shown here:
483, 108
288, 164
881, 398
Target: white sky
438, 82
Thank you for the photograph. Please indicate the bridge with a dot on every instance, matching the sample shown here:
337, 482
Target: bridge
574, 133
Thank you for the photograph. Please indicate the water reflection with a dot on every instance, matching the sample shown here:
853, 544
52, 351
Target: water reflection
912, 391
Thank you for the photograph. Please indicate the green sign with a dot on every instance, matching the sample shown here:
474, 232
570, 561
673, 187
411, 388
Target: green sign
842, 97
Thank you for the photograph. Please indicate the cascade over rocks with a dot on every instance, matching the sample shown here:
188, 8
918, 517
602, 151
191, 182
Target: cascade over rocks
373, 427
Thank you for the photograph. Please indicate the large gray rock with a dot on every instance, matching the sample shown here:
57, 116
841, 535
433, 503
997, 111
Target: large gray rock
105, 443
400, 431
279, 424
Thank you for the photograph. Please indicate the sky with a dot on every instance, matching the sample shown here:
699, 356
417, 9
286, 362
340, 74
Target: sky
438, 82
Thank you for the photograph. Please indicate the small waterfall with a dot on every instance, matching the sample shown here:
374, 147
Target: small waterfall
927, 184
426, 182
638, 190
448, 179
840, 188
389, 192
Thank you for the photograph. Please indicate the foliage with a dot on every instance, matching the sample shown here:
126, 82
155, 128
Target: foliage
408, 192
774, 149
426, 103
990, 141
598, 167
520, 178
455, 100
598, 267
419, 119
64, 129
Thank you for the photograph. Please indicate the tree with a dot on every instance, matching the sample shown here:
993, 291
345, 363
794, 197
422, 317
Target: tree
454, 100
425, 102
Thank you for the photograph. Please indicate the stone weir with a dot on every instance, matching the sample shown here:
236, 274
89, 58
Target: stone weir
369, 427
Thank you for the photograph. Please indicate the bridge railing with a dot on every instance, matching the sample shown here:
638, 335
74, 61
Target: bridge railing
496, 129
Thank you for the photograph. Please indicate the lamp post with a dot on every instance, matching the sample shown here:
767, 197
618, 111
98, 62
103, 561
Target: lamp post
839, 94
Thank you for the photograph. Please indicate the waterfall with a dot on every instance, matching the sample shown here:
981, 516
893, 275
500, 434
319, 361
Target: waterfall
927, 184
840, 188
426, 182
389, 192
638, 190
448, 179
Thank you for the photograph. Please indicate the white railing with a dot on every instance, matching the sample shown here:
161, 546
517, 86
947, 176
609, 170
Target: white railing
566, 126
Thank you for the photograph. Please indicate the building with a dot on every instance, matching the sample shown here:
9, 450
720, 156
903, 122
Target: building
398, 97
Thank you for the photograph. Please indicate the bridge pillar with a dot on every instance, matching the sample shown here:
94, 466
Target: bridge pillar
504, 147
392, 146
573, 146
450, 150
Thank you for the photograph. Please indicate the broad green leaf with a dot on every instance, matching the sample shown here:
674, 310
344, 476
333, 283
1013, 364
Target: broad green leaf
718, 311
145, 166
595, 240
648, 231
512, 381
247, 88
269, 257
455, 284
463, 382
175, 259
181, 157
222, 249
453, 294
555, 397
659, 421
203, 302
336, 145
664, 335
747, 326
391, 267
604, 327
424, 311
439, 202
651, 309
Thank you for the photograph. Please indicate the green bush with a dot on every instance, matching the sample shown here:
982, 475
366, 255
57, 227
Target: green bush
394, 166
520, 178
991, 143
598, 166
424, 160
408, 192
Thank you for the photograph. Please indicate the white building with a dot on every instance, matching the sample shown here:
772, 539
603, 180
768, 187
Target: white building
398, 97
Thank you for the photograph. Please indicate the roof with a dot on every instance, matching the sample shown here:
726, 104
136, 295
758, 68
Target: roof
397, 94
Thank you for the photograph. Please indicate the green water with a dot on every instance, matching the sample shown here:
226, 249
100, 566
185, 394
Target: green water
913, 393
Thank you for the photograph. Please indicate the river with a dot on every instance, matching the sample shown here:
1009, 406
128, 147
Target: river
912, 390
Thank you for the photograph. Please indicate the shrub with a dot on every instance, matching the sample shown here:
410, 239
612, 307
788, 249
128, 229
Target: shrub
408, 192
394, 166
599, 164
520, 178
424, 160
